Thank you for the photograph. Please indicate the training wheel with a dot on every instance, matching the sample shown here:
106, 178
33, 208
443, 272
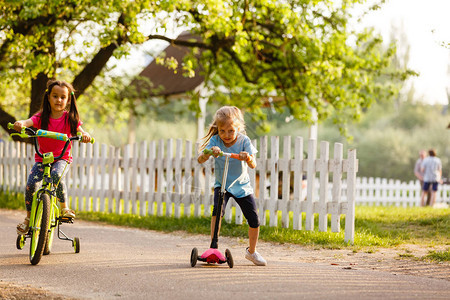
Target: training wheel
76, 244
20, 242
194, 257
229, 257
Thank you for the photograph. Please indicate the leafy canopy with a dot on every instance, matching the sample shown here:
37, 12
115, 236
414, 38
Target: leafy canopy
292, 55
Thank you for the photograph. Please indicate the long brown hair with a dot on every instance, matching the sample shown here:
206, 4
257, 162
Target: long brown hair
222, 115
71, 108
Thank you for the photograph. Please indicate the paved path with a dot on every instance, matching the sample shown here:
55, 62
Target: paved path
124, 263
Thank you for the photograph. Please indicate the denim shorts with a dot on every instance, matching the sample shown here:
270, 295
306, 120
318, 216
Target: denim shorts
426, 186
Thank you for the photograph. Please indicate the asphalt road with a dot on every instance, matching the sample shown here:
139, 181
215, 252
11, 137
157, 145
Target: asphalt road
124, 263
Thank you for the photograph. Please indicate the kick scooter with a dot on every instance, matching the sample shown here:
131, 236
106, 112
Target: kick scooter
213, 255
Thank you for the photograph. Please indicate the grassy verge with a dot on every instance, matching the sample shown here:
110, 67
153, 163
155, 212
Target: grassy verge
374, 227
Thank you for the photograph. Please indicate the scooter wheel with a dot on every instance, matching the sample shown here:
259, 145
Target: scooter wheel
20, 242
229, 257
194, 257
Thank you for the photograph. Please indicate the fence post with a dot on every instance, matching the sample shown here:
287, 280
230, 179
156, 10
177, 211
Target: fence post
178, 171
262, 167
160, 176
143, 170
351, 195
187, 179
103, 155
134, 172
274, 182
337, 185
286, 183
76, 180
323, 192
169, 178
95, 163
197, 184
298, 184
151, 178
311, 176
126, 178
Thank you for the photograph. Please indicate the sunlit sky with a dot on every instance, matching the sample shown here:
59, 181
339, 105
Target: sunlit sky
426, 24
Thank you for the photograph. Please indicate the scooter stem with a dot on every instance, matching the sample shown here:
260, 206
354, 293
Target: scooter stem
215, 239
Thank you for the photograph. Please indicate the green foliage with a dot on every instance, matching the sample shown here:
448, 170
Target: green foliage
11, 200
387, 139
301, 53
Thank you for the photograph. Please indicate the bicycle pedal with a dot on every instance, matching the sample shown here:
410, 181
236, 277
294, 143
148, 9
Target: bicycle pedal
66, 219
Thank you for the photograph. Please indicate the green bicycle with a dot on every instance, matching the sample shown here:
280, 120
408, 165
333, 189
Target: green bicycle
45, 214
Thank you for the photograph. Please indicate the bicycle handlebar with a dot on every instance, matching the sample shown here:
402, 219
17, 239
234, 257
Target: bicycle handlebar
47, 134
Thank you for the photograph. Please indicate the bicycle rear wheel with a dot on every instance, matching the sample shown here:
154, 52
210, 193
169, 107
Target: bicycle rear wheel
39, 231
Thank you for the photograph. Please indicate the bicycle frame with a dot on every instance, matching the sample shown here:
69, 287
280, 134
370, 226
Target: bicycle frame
45, 217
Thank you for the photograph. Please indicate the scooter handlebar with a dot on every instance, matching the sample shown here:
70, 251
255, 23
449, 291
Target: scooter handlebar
232, 155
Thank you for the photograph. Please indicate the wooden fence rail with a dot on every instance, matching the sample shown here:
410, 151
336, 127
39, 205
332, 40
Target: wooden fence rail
164, 178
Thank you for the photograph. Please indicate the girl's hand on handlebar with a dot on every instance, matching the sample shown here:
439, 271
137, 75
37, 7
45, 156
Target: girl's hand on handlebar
18, 125
249, 159
86, 137
244, 156
216, 151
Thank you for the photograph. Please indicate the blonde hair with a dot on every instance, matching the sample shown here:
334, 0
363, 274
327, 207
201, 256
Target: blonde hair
223, 115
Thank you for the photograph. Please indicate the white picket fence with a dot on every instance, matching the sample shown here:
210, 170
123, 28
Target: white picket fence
384, 192
164, 178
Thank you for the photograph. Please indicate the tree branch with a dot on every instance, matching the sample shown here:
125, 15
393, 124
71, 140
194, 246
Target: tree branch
179, 42
85, 78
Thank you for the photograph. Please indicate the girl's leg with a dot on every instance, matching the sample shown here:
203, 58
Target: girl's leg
253, 234
248, 207
59, 169
34, 178
214, 214
213, 224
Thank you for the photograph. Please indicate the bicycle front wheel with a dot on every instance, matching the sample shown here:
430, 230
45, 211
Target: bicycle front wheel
39, 229
52, 228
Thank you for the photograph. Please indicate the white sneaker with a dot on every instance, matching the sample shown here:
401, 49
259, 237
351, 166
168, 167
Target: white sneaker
255, 258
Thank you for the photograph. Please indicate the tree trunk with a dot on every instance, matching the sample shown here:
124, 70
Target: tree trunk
38, 86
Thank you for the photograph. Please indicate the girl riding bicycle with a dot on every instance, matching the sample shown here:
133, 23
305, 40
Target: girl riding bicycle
58, 113
227, 134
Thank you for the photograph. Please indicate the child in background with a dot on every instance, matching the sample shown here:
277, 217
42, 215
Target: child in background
58, 113
227, 134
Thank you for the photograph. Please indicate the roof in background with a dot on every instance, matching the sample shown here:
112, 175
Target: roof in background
164, 80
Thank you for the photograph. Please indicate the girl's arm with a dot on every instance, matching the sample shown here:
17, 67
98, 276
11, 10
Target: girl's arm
86, 136
23, 123
203, 157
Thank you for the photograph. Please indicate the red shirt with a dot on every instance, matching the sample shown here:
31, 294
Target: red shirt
46, 145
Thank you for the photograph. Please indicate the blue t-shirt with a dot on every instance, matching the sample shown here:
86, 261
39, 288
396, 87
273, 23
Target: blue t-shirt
238, 179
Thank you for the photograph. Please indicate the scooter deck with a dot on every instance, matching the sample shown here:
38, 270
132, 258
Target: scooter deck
213, 256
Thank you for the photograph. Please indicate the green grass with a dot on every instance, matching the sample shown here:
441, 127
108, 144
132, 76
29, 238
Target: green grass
374, 227
439, 255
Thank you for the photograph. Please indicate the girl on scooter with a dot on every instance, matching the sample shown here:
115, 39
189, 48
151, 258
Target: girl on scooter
226, 133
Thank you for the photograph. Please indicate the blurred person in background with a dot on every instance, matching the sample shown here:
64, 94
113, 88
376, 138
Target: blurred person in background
432, 173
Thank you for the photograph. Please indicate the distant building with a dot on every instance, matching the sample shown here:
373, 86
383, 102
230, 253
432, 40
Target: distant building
166, 83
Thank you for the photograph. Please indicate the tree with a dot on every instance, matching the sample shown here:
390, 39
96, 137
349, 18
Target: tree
301, 54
